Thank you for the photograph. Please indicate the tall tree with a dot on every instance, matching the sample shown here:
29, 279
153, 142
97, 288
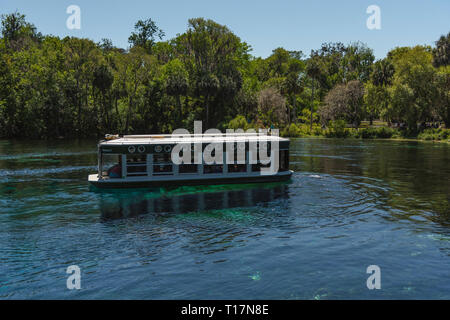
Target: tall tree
441, 54
81, 57
136, 69
357, 62
176, 84
413, 88
344, 102
102, 82
272, 107
146, 32
314, 70
382, 73
442, 86
16, 30
377, 96
213, 56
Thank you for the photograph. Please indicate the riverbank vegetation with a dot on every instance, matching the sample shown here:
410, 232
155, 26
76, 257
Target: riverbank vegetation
71, 87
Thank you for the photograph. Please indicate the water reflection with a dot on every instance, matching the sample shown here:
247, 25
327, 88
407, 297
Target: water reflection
414, 175
125, 204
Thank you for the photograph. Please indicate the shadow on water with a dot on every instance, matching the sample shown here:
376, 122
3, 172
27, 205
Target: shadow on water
118, 204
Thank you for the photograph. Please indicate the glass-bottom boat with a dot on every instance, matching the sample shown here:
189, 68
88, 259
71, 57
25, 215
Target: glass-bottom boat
134, 161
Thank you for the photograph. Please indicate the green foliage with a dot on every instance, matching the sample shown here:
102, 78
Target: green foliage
382, 73
441, 54
435, 134
302, 130
292, 131
213, 56
373, 133
238, 123
413, 91
337, 129
442, 102
17, 33
146, 32
53, 87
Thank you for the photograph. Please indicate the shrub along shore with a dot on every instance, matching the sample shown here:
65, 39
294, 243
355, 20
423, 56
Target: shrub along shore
338, 129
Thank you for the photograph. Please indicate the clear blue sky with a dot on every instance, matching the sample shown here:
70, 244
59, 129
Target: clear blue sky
265, 25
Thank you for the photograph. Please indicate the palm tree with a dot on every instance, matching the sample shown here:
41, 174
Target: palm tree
382, 73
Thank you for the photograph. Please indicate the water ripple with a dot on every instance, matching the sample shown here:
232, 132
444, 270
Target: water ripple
349, 204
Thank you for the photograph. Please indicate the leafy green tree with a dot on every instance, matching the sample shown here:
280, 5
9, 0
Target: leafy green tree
357, 62
213, 56
377, 96
239, 122
106, 45
413, 91
81, 57
286, 69
16, 30
330, 58
176, 84
376, 101
442, 85
146, 32
314, 70
164, 51
7, 101
441, 54
382, 73
135, 68
102, 82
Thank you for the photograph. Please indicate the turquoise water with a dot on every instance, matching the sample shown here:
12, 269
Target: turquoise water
350, 204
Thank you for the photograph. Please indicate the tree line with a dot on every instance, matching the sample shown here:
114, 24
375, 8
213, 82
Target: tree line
71, 87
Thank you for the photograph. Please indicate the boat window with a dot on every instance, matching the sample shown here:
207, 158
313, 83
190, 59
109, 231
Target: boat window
187, 168
257, 167
136, 165
162, 164
136, 158
213, 168
232, 168
112, 165
236, 156
110, 159
192, 156
284, 160
162, 169
162, 158
136, 170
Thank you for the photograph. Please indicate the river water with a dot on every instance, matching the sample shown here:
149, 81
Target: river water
350, 204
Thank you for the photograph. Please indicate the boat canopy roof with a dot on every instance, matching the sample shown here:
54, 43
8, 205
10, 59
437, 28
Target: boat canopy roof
188, 138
